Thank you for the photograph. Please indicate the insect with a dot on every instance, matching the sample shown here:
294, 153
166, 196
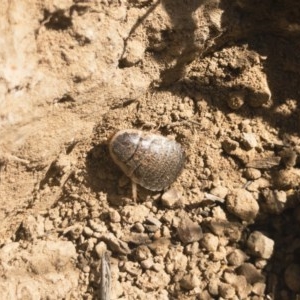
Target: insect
150, 160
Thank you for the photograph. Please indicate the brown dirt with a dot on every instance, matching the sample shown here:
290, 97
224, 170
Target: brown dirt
221, 77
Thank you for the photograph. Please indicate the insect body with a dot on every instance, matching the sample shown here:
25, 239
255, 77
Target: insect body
150, 160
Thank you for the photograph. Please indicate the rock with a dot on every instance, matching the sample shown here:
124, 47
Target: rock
242, 204
251, 273
240, 284
224, 228
190, 281
189, 231
31, 228
226, 290
288, 179
292, 277
219, 191
176, 259
87, 231
142, 252
160, 246
134, 52
151, 280
115, 244
288, 157
100, 249
147, 263
229, 145
249, 140
210, 242
171, 198
133, 214
275, 201
114, 216
237, 257
252, 173
260, 245
236, 100
132, 268
258, 288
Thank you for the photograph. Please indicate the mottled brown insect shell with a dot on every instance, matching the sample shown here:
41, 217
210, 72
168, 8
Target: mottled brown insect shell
150, 160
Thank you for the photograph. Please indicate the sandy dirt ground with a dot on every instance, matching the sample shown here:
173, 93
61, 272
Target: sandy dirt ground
221, 78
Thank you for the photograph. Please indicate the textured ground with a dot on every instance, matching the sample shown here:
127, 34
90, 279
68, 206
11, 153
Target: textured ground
221, 77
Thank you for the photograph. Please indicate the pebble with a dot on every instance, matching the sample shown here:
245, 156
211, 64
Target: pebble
190, 281
251, 273
292, 277
236, 100
210, 242
100, 249
134, 214
87, 231
171, 198
237, 257
132, 268
142, 252
226, 290
189, 231
229, 145
133, 54
242, 204
252, 173
275, 201
258, 288
224, 228
249, 140
260, 245
219, 191
114, 216
147, 263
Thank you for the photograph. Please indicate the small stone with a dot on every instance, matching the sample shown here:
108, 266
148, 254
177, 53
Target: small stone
229, 145
86, 269
292, 277
210, 242
157, 267
142, 252
190, 281
74, 231
239, 282
133, 54
219, 191
249, 140
132, 268
189, 231
133, 214
171, 198
87, 231
237, 257
147, 263
224, 228
252, 173
275, 201
226, 290
160, 246
288, 178
236, 100
258, 288
288, 157
115, 244
260, 245
138, 226
100, 249
114, 216
242, 204
251, 273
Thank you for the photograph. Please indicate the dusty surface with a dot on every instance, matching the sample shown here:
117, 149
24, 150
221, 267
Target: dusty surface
221, 77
